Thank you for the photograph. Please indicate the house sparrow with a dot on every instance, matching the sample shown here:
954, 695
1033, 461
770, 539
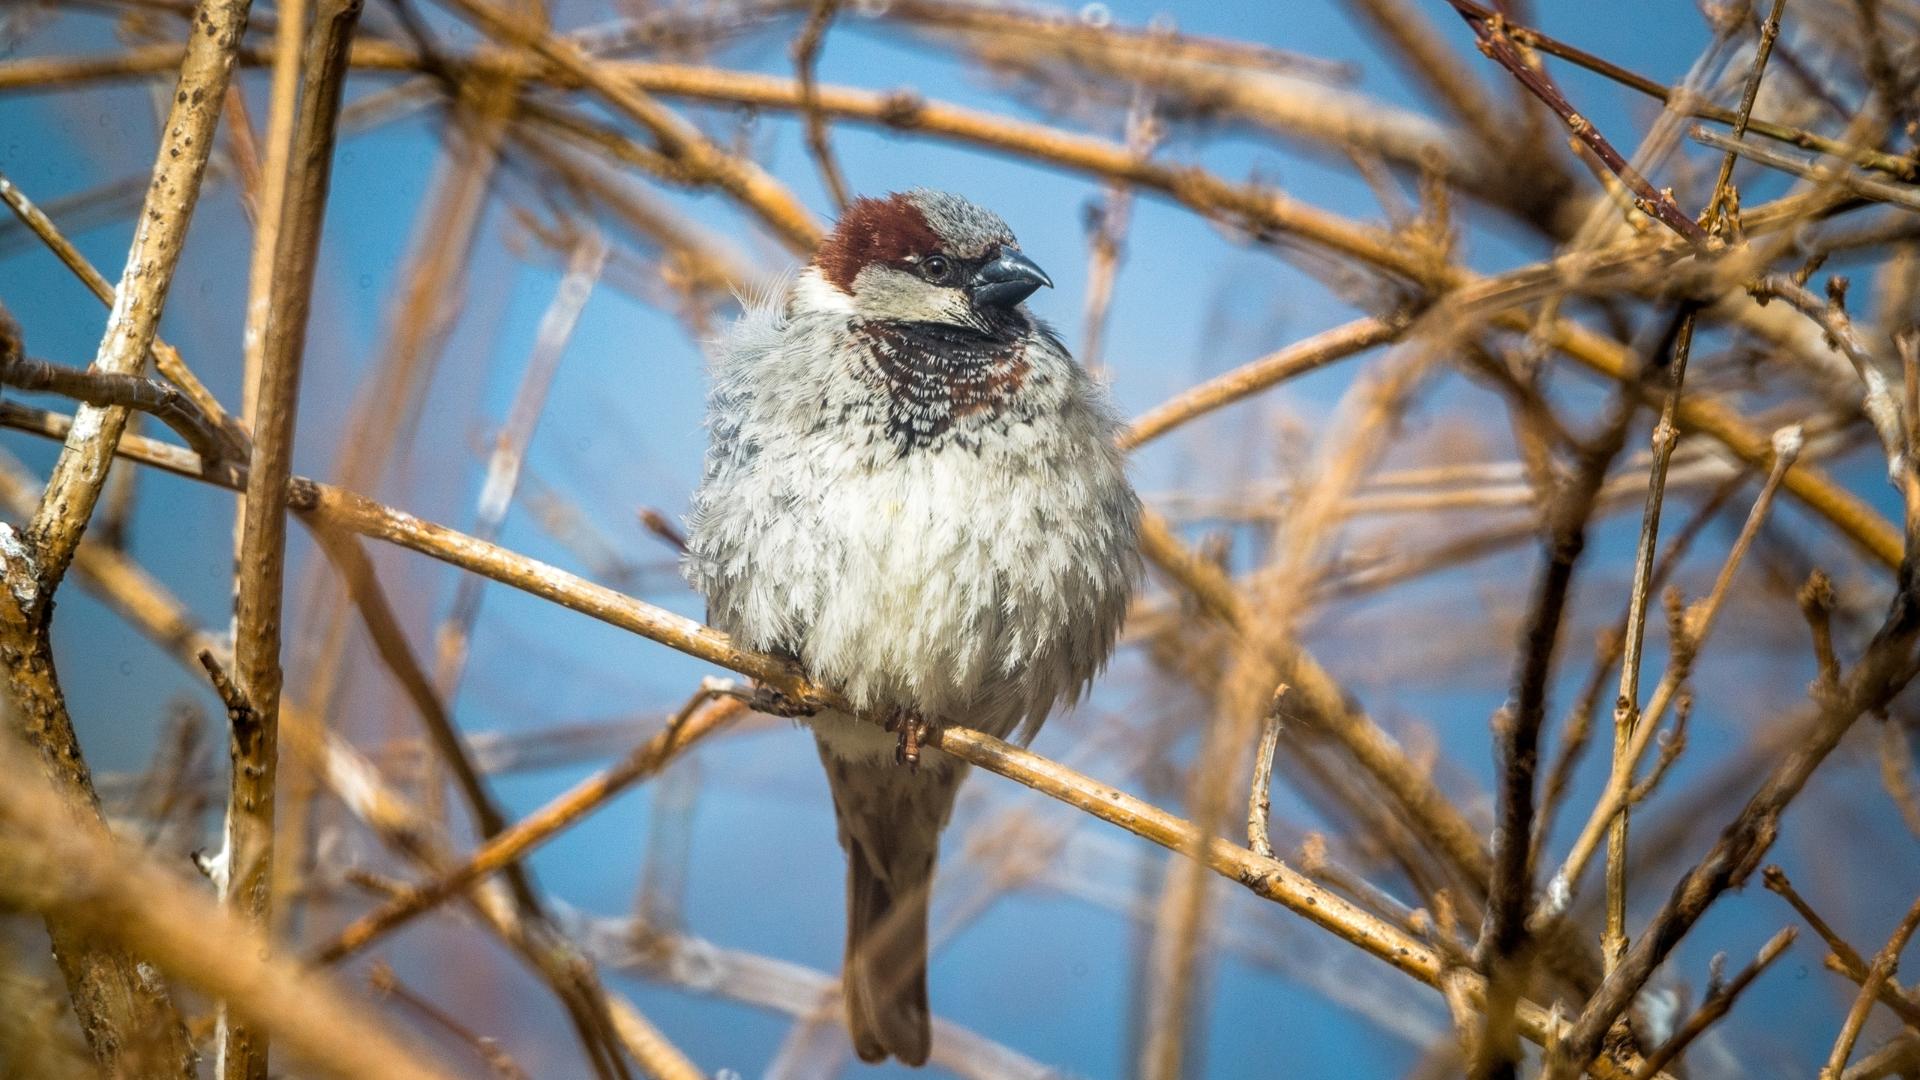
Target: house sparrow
911, 490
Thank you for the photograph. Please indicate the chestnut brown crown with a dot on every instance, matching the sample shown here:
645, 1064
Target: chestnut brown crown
927, 256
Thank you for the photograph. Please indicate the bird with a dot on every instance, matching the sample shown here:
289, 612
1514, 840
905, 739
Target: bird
912, 491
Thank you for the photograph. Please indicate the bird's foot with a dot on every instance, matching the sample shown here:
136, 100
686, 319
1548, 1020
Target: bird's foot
768, 700
914, 731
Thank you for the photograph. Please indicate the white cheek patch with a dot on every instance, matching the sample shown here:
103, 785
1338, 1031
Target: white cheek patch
815, 295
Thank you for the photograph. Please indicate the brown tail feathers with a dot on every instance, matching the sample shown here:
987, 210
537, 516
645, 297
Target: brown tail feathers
885, 976
890, 820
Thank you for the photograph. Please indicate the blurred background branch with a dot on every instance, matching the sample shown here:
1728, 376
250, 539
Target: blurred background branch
1392, 290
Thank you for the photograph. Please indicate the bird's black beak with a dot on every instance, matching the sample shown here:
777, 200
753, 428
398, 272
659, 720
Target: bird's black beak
1007, 280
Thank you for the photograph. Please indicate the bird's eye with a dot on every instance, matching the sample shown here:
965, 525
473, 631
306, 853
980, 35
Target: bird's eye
936, 268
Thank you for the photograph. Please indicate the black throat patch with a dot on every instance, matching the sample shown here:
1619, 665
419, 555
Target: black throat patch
930, 376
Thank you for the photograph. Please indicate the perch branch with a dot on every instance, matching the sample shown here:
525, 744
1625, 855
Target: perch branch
1268, 879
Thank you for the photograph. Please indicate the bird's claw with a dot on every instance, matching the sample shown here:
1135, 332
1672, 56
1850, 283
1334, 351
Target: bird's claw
914, 732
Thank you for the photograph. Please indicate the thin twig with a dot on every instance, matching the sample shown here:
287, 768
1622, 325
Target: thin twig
1877, 399
1882, 968
1626, 709
1896, 772
1107, 221
1852, 964
1260, 803
105, 389
806, 58
697, 719
1505, 945
1867, 187
663, 529
1816, 605
1579, 726
1769, 30
1717, 1005
165, 357
384, 982
1297, 359
1499, 45
1618, 793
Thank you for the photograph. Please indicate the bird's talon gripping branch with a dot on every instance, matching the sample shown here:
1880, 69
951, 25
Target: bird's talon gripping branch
914, 732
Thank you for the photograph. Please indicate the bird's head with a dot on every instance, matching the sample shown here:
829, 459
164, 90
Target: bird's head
926, 257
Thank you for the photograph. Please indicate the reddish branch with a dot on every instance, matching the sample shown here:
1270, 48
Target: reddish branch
1491, 28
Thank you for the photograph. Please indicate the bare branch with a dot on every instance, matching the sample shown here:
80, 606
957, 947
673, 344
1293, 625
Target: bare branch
1878, 973
1869, 187
82, 468
53, 863
1718, 1004
1626, 709
1260, 803
1852, 964
697, 719
260, 558
1769, 30
806, 57
1496, 43
106, 389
